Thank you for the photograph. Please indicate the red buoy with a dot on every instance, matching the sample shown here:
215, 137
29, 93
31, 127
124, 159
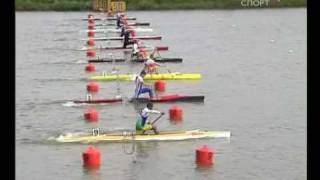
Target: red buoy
90, 26
91, 52
90, 67
91, 42
91, 158
205, 156
176, 113
160, 85
91, 115
92, 87
91, 34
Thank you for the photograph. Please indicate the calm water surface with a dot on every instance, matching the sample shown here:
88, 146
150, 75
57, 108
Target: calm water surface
253, 64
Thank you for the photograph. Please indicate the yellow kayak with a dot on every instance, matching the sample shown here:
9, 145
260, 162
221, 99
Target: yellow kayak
132, 77
128, 136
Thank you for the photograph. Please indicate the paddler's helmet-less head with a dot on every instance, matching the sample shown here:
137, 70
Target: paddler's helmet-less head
149, 105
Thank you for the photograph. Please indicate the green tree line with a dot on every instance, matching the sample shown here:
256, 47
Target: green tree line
84, 5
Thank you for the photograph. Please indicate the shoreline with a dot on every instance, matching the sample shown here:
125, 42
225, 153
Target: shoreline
152, 5
229, 9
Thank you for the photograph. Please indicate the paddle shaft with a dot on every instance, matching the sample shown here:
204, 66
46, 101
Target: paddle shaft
156, 119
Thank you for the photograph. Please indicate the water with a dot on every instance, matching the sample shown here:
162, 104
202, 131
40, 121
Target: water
253, 64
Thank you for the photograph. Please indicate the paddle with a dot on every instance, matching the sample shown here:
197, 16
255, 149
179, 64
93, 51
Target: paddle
169, 71
157, 119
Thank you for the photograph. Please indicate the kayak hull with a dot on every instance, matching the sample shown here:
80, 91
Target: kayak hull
100, 30
159, 60
121, 38
159, 99
98, 101
130, 24
128, 136
131, 77
110, 19
128, 48
169, 98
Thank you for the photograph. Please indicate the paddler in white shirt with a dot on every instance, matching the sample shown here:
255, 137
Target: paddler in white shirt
141, 86
143, 124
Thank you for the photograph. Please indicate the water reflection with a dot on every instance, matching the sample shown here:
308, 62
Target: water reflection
92, 173
144, 156
205, 172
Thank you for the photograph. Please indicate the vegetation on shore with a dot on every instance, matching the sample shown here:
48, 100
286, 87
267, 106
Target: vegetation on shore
85, 5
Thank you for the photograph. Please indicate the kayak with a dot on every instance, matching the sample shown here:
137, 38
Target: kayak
121, 38
98, 101
109, 18
159, 48
160, 60
126, 18
169, 98
158, 99
106, 48
132, 77
130, 24
131, 136
117, 30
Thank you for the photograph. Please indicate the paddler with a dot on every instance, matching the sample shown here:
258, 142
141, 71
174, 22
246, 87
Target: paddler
141, 86
143, 124
155, 50
126, 40
135, 49
123, 29
119, 20
150, 66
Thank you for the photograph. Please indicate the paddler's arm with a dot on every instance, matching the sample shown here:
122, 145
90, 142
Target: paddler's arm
157, 64
154, 112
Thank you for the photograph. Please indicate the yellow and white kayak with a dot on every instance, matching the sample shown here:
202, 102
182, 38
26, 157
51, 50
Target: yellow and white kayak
132, 77
127, 136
